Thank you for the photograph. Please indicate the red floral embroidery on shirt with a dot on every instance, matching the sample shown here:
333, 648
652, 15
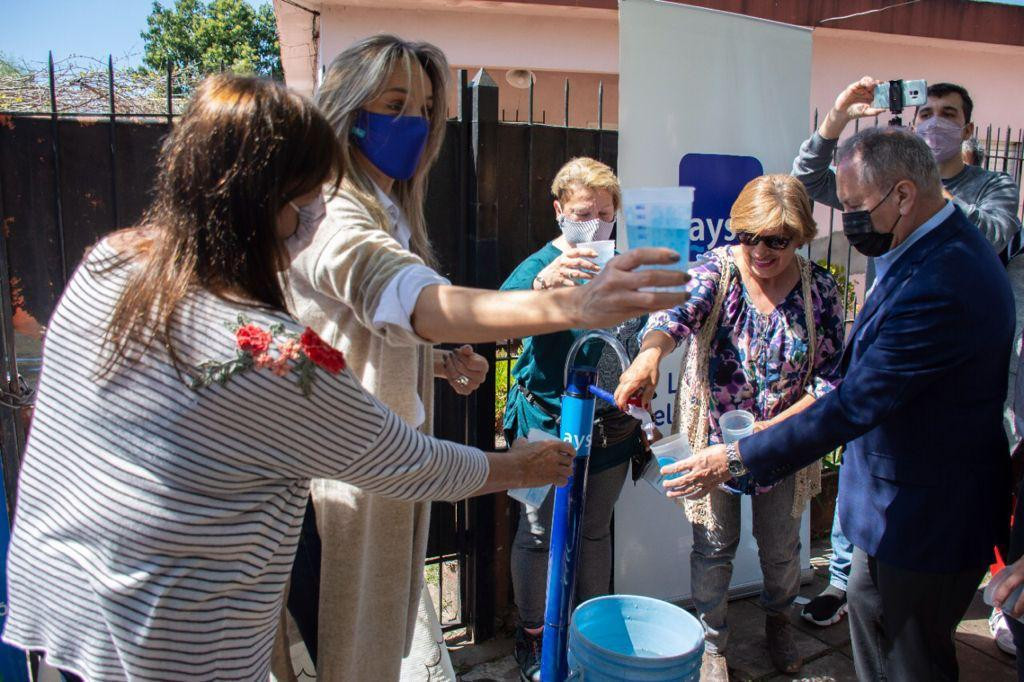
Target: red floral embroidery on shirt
253, 339
256, 347
317, 350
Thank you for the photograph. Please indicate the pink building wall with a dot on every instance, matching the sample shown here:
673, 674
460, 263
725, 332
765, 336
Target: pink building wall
993, 74
582, 44
554, 42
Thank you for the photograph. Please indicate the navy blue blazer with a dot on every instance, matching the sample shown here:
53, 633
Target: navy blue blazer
925, 479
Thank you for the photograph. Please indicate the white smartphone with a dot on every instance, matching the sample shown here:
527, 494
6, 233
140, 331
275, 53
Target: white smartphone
915, 93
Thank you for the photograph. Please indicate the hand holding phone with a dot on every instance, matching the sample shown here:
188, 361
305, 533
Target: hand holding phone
856, 101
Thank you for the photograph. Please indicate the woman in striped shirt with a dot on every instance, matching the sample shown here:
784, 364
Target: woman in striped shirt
181, 414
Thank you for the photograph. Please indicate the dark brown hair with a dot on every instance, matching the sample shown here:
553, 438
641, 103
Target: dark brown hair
943, 89
243, 150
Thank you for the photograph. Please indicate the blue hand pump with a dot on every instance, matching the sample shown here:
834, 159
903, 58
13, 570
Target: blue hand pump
577, 425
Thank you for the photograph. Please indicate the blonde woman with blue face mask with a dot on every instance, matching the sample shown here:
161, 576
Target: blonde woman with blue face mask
362, 276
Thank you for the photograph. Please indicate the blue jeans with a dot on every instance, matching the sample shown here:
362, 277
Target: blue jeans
1017, 630
842, 555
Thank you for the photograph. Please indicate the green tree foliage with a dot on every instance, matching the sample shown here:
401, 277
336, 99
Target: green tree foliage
192, 35
12, 66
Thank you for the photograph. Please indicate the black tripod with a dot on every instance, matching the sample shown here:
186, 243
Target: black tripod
896, 102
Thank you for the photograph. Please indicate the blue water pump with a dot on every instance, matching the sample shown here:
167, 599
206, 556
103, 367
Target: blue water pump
577, 425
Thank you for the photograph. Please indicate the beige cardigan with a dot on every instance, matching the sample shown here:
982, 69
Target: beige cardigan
373, 547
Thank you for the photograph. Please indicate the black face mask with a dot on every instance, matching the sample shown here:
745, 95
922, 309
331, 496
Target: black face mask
861, 233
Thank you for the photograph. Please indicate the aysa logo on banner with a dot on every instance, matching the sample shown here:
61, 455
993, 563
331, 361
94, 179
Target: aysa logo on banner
718, 179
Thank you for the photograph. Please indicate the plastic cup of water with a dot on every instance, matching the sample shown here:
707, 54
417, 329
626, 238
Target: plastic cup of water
736, 425
533, 497
659, 216
605, 249
668, 450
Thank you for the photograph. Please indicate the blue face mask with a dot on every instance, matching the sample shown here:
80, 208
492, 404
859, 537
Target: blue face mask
394, 144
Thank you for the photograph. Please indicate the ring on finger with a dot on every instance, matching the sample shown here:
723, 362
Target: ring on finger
462, 380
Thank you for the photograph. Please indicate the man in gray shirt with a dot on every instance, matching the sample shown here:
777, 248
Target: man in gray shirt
988, 199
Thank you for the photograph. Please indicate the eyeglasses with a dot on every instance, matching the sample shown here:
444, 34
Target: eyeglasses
773, 243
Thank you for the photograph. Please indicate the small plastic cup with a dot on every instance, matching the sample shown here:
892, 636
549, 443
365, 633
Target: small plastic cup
660, 216
533, 497
736, 425
668, 450
605, 249
995, 582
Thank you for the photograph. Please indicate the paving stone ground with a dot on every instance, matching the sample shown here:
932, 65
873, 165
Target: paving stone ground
826, 650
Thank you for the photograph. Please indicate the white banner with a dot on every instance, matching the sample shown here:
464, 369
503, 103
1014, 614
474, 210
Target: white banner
710, 98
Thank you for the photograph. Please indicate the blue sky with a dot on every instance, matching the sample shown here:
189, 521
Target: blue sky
30, 28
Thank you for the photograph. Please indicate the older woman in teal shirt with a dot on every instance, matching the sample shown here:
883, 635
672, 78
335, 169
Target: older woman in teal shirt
587, 197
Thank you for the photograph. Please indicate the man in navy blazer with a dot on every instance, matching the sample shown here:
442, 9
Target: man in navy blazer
925, 476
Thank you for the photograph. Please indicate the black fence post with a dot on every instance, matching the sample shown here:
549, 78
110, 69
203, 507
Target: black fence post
58, 200
11, 416
488, 566
113, 142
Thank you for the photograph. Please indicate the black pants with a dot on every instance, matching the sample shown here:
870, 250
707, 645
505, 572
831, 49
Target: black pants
35, 658
902, 622
304, 594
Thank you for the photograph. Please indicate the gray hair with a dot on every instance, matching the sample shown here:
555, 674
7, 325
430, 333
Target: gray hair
888, 155
976, 149
357, 76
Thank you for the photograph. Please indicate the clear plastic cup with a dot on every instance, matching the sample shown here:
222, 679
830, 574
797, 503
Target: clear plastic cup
533, 497
605, 249
736, 425
660, 216
668, 450
1010, 601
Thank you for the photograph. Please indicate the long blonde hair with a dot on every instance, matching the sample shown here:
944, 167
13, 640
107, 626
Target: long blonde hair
356, 77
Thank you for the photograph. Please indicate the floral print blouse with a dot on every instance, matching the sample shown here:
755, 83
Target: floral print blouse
758, 361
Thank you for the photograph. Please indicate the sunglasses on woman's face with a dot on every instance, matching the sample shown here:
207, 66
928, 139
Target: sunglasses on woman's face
773, 243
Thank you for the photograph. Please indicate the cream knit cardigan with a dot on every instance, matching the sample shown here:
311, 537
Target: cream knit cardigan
373, 547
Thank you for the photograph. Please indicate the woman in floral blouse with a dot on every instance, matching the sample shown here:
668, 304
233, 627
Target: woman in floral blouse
766, 335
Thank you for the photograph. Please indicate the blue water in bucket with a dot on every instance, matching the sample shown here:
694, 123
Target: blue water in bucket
627, 637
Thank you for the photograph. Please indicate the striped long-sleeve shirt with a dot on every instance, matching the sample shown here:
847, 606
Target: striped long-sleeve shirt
156, 523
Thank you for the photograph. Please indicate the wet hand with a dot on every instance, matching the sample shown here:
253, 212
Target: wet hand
565, 270
704, 471
465, 369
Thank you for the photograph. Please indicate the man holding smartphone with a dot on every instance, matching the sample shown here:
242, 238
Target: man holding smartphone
988, 199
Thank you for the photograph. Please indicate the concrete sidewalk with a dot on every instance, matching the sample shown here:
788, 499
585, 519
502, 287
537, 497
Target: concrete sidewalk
826, 650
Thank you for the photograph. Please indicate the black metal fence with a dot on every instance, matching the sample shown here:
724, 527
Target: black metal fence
66, 179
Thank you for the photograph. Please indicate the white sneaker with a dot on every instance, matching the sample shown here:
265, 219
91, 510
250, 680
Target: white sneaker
1001, 632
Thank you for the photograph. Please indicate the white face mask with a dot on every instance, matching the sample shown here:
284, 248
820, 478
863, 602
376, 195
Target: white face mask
310, 216
576, 231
